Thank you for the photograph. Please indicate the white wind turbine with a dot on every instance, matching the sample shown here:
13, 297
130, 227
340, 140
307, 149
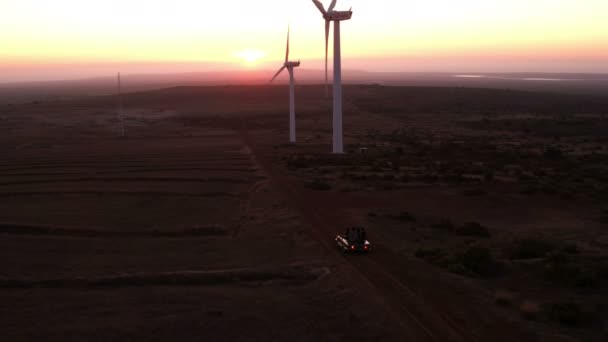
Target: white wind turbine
292, 101
335, 16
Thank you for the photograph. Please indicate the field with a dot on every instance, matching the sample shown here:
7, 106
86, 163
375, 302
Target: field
487, 207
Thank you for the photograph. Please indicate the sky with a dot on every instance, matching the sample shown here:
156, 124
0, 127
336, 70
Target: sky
43, 39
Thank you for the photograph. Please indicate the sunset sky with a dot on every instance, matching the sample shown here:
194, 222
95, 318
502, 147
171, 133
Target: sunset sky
66, 39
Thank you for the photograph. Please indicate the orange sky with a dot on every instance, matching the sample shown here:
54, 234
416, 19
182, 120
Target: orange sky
81, 38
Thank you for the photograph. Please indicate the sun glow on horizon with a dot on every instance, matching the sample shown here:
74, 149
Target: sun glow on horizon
251, 56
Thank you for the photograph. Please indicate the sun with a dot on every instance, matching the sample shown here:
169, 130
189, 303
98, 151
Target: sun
250, 56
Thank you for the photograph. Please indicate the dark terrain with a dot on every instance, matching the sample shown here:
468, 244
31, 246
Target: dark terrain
487, 208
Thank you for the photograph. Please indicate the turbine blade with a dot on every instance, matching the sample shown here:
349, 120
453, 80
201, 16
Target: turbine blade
287, 50
278, 73
320, 7
332, 6
327, 23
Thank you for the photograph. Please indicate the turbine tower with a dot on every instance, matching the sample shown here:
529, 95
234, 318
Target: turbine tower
292, 93
335, 16
120, 109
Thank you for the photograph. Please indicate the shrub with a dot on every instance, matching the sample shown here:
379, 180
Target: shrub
531, 248
444, 224
297, 163
488, 176
553, 153
435, 256
473, 229
504, 298
405, 216
388, 177
570, 249
604, 217
474, 192
549, 189
602, 270
430, 254
529, 190
319, 185
564, 272
529, 310
387, 186
565, 313
476, 261
429, 179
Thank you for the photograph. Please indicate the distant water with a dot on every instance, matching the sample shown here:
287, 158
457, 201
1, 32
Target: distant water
469, 76
549, 79
532, 79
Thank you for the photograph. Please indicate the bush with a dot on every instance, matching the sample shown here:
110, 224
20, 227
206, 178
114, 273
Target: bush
474, 192
504, 298
553, 153
297, 163
529, 190
564, 272
604, 217
565, 313
430, 254
431, 179
488, 176
476, 261
570, 249
319, 185
529, 310
405, 216
444, 224
549, 189
388, 177
531, 248
473, 229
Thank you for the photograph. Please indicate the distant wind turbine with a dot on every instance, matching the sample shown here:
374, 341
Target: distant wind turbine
120, 109
335, 16
292, 102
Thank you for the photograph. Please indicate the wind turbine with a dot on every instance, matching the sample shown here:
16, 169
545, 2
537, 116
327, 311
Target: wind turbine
120, 109
335, 16
292, 93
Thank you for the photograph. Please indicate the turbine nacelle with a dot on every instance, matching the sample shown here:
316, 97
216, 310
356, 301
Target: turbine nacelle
292, 64
330, 14
338, 15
